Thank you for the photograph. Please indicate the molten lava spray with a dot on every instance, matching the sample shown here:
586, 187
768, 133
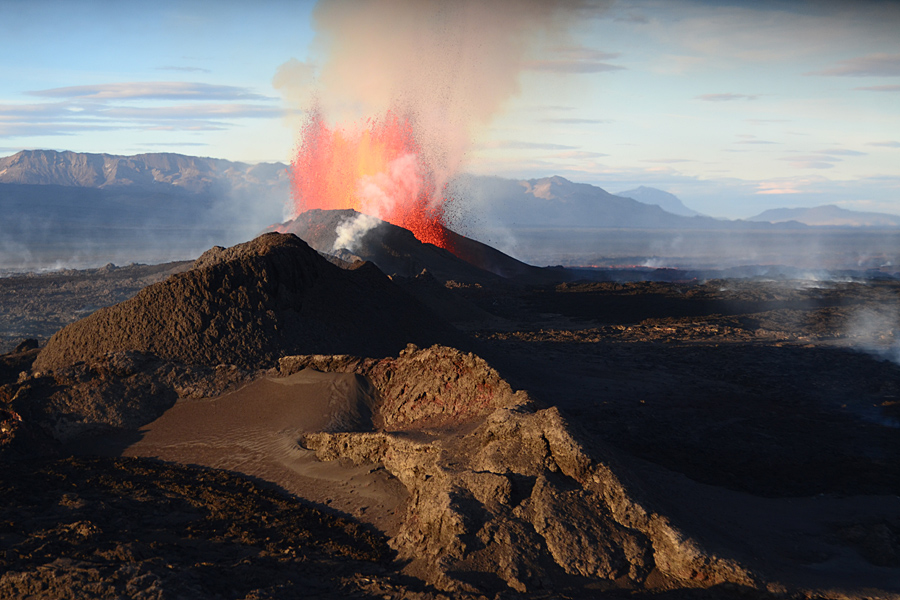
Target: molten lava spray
376, 168
452, 65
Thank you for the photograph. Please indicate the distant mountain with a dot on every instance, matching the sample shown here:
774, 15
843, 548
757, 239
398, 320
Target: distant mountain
558, 202
668, 202
190, 173
828, 215
90, 209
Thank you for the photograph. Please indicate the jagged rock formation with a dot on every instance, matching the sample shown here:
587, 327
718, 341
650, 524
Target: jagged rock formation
248, 305
501, 490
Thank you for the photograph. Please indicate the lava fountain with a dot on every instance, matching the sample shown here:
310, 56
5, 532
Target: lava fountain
376, 168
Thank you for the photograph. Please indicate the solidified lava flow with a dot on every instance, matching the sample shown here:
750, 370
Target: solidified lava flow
376, 168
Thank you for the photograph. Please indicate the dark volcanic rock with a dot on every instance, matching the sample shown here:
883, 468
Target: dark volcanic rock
248, 305
397, 251
130, 528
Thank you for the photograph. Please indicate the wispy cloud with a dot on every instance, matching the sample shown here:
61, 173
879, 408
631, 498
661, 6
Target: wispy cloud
755, 142
811, 162
154, 144
577, 121
725, 97
777, 187
193, 111
885, 144
579, 155
667, 160
25, 129
519, 145
146, 106
879, 88
842, 152
151, 90
871, 65
184, 69
575, 59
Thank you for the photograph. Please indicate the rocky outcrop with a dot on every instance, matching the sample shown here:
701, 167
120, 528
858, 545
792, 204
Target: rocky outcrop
502, 489
122, 390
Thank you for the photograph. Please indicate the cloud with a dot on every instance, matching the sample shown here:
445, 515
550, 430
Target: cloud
579, 155
575, 59
755, 142
725, 97
18, 129
886, 144
842, 152
761, 121
667, 160
879, 88
577, 121
193, 111
148, 106
777, 187
174, 144
871, 65
812, 164
151, 90
810, 158
519, 145
184, 69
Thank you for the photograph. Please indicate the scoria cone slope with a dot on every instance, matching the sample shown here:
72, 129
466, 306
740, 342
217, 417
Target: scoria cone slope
397, 251
248, 305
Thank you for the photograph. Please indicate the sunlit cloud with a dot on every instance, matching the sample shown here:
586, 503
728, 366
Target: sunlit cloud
780, 187
871, 65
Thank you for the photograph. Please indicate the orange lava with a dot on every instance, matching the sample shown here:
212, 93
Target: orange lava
376, 169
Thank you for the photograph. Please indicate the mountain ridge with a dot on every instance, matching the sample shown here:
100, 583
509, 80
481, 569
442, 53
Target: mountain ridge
667, 201
828, 215
191, 173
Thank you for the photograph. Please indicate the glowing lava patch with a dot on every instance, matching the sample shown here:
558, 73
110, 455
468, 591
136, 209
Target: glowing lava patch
376, 169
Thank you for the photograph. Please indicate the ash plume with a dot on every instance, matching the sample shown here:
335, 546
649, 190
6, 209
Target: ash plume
451, 65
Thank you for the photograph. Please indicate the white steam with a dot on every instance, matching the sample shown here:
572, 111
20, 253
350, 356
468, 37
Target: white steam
351, 231
876, 333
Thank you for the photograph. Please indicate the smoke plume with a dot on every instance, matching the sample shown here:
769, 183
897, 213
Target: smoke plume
451, 65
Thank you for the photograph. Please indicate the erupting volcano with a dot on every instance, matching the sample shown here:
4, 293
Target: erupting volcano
376, 168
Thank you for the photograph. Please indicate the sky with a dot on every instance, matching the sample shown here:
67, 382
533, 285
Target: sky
734, 106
